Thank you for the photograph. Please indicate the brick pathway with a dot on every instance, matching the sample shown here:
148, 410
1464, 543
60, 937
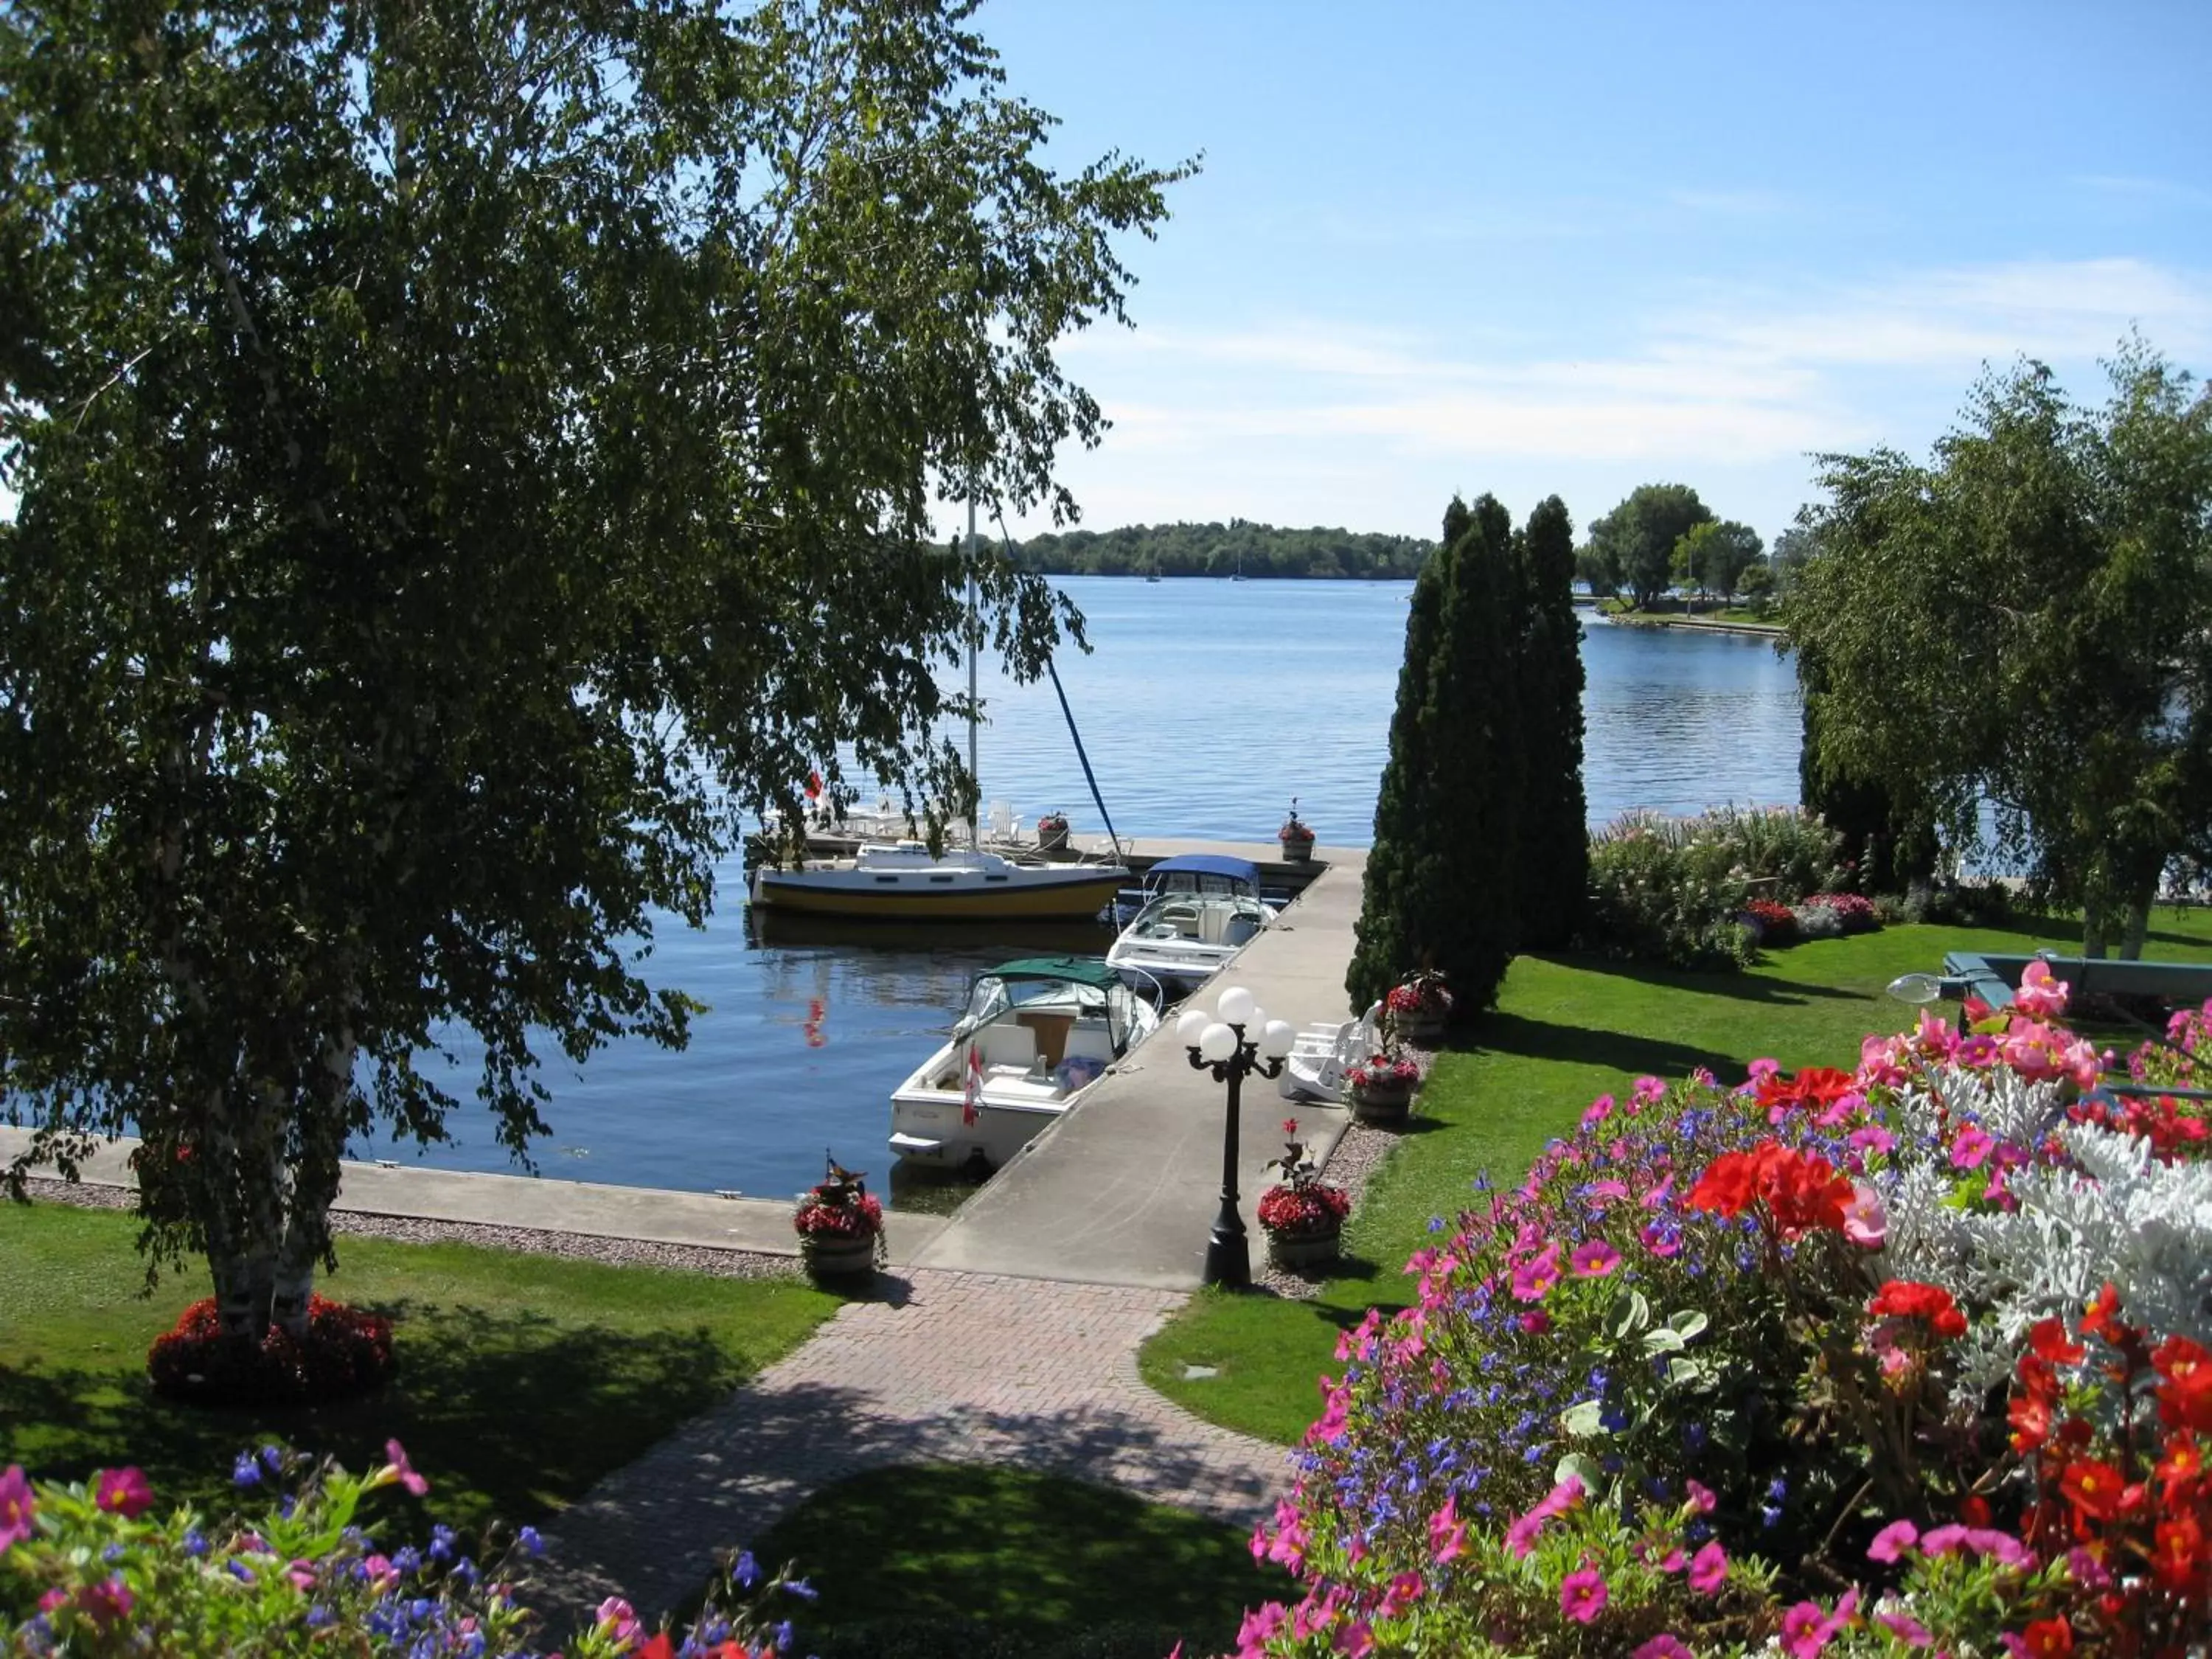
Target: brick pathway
950, 1367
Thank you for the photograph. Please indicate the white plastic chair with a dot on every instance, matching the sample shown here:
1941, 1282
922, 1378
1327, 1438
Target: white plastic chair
1320, 1054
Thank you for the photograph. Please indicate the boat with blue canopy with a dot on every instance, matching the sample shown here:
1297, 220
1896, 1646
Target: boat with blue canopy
1199, 910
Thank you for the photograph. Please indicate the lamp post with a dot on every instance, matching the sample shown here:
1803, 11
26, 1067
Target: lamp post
1217, 1043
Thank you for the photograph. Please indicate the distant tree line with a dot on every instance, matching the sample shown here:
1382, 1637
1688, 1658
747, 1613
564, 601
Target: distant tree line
1239, 547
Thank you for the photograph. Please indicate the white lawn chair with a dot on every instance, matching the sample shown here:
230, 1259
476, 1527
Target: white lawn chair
1320, 1054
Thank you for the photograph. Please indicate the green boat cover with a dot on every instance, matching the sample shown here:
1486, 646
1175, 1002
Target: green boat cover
1082, 970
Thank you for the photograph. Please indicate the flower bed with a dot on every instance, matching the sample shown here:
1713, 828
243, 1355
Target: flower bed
1854, 911
99, 1567
345, 1351
1777, 923
1803, 1364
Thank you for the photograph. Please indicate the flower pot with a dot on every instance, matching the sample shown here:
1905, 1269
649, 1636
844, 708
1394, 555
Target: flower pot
1425, 1026
1298, 849
834, 1256
1052, 837
1385, 1104
1302, 1249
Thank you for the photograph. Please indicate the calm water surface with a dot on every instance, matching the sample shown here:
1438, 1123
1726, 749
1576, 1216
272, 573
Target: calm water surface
1205, 706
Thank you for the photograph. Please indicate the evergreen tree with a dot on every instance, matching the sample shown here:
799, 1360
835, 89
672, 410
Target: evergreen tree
1399, 862
1552, 869
1444, 819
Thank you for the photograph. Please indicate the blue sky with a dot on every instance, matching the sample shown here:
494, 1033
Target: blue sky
1547, 247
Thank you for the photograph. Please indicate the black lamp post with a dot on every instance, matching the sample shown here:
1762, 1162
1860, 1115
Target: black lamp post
1218, 1043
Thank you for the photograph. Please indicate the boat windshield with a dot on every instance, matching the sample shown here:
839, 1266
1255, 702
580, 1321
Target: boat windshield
1187, 881
993, 998
1201, 917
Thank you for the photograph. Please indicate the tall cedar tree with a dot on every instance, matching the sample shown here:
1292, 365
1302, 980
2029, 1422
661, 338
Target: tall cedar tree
1552, 870
1445, 817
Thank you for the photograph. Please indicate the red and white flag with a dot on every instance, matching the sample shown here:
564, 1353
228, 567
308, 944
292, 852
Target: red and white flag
972, 1100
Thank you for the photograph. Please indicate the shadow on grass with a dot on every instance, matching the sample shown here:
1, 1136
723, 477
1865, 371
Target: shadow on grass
510, 1414
1617, 1051
656, 1531
1742, 988
1019, 1554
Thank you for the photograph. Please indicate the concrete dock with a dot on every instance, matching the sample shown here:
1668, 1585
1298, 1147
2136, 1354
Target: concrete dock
1122, 1190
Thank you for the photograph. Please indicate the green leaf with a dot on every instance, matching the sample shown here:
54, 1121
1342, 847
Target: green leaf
1585, 1417
1687, 1323
1629, 1314
1584, 1467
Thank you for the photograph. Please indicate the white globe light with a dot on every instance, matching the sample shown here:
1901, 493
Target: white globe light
1217, 1043
1193, 1021
1256, 1022
1236, 1004
1275, 1041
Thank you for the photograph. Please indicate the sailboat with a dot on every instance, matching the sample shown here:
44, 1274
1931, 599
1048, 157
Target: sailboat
904, 881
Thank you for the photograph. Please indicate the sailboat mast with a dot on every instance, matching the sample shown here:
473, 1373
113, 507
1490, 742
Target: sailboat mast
975, 807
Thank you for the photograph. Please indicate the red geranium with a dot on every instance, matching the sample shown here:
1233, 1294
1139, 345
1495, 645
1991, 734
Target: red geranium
1905, 1298
1800, 1194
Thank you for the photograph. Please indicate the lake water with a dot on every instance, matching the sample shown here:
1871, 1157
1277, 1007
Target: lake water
1205, 706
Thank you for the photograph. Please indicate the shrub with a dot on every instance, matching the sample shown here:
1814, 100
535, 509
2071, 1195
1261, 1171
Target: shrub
1660, 892
1727, 1371
346, 1350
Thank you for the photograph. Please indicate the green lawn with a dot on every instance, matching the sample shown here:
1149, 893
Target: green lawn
1565, 1031
521, 1379
1036, 1558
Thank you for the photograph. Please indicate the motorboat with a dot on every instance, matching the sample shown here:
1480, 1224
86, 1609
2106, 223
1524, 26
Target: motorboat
903, 881
1037, 1033
1198, 911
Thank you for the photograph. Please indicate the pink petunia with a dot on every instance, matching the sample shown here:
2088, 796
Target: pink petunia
1871, 1138
1941, 1540
617, 1620
1355, 1640
1701, 1497
1447, 1532
17, 1505
1906, 1629
1970, 1147
1533, 1279
1649, 1090
1521, 1536
123, 1492
1595, 1259
1866, 1223
1708, 1569
1662, 1646
106, 1603
1803, 1634
396, 1454
1892, 1541
1582, 1595
1597, 1111
1405, 1589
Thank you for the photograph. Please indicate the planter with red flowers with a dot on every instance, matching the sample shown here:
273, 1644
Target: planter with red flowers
1380, 1089
1297, 839
839, 1226
1052, 831
1302, 1215
1418, 1008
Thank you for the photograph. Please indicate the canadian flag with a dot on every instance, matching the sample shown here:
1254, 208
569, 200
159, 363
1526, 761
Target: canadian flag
972, 1099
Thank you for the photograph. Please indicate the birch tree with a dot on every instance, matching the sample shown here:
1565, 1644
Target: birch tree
467, 455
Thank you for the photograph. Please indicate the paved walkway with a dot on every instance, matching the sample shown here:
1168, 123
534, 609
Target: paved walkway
950, 1367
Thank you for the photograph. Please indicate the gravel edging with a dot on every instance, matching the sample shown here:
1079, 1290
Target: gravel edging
527, 1241
1359, 1153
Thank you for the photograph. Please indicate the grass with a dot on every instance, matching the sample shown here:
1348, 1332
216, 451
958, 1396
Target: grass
1566, 1029
1029, 1555
520, 1379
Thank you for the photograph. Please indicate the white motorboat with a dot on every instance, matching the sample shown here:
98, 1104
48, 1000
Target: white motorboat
1036, 1033
1199, 909
903, 882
